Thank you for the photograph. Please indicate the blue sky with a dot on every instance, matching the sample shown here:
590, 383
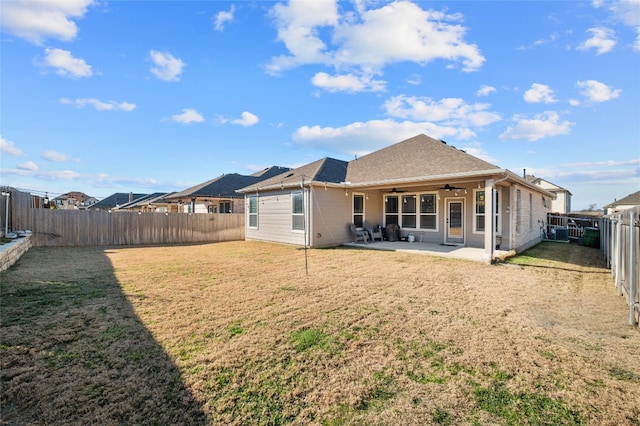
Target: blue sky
144, 96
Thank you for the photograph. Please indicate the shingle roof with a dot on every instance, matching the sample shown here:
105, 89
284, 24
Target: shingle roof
114, 200
227, 185
420, 156
629, 200
327, 170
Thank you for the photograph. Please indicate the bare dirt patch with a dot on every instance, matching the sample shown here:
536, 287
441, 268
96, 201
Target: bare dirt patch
237, 333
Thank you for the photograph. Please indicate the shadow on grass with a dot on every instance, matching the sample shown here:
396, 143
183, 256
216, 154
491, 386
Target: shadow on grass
73, 351
557, 255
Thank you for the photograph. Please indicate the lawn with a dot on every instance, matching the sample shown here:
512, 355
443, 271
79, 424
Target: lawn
238, 333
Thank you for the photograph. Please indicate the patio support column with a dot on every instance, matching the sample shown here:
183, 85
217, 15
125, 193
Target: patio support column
489, 221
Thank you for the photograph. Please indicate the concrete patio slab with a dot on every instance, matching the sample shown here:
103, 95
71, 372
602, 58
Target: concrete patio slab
431, 249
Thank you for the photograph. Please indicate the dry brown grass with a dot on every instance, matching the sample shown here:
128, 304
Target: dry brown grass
237, 333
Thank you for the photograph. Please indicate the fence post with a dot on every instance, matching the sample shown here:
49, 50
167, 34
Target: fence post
618, 254
632, 269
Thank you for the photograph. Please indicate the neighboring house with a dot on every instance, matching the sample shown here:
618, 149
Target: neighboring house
154, 203
631, 200
73, 201
429, 189
220, 195
562, 202
114, 201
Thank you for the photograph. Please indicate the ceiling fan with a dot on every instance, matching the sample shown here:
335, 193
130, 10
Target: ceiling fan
396, 191
448, 187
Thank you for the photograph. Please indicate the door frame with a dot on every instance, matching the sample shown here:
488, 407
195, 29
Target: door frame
448, 238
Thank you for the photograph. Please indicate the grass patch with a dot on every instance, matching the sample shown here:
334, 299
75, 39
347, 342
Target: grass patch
235, 328
308, 338
518, 408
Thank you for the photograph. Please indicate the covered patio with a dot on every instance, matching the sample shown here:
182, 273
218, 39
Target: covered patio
432, 249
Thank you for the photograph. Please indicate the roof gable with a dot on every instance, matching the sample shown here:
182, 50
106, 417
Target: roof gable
420, 156
631, 199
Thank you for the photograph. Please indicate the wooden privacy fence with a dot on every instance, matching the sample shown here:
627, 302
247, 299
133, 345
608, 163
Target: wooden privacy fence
620, 244
50, 227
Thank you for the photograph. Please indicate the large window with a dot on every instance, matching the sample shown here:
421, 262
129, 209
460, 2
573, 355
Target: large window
253, 211
297, 211
391, 210
481, 206
428, 211
358, 210
412, 211
409, 211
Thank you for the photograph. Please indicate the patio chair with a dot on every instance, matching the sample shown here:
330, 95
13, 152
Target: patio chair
359, 234
374, 230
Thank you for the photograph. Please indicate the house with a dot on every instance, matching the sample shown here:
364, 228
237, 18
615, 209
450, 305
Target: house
219, 195
73, 201
115, 200
432, 191
153, 203
631, 200
562, 202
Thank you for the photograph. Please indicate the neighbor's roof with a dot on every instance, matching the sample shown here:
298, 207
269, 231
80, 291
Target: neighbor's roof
147, 199
327, 170
114, 200
629, 200
226, 185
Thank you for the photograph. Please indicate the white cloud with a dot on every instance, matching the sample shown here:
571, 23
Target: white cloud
166, 66
627, 11
222, 18
485, 90
539, 93
55, 156
574, 102
29, 165
540, 126
7, 147
247, 119
596, 91
36, 20
361, 138
450, 111
65, 64
369, 39
602, 39
99, 105
188, 116
347, 83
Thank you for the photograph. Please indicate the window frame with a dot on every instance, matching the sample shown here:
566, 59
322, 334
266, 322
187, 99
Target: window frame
416, 210
354, 213
253, 199
477, 215
296, 215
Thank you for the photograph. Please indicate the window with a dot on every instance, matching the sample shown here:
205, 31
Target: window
412, 211
428, 211
530, 212
518, 210
225, 206
409, 211
391, 210
253, 211
480, 202
297, 211
358, 210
